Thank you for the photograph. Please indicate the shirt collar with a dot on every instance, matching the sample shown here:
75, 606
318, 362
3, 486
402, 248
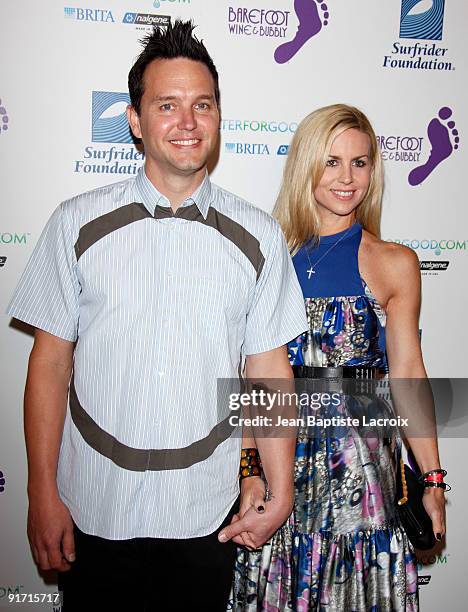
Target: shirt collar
151, 197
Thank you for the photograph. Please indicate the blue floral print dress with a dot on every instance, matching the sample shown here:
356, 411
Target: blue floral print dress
342, 549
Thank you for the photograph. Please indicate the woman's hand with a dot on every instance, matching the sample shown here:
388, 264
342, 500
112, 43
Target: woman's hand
253, 492
434, 503
255, 527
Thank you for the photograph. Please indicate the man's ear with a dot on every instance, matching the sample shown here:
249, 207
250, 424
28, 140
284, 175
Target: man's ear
134, 121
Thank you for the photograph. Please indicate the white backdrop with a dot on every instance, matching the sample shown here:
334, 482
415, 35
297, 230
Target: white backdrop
57, 139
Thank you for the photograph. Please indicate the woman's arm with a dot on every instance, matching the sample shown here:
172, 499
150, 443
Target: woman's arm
277, 455
252, 492
411, 390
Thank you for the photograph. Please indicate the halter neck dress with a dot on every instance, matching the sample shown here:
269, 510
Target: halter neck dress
342, 548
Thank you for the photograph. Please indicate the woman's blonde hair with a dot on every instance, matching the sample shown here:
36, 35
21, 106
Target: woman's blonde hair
296, 208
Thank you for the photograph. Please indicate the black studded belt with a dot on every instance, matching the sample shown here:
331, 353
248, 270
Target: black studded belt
366, 373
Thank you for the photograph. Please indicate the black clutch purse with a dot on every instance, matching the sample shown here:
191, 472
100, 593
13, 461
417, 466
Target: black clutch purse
411, 512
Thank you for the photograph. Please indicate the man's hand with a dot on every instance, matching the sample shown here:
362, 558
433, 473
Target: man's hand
50, 533
50, 527
258, 527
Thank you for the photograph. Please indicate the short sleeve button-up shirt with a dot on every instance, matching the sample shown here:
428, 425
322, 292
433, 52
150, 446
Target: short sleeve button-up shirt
160, 305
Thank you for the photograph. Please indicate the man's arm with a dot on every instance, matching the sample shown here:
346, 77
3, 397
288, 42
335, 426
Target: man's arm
277, 455
50, 527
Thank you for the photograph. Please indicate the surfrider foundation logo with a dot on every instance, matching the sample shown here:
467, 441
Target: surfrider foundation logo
109, 121
422, 19
108, 126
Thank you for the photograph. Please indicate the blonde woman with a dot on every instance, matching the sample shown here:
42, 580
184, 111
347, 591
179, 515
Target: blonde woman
343, 547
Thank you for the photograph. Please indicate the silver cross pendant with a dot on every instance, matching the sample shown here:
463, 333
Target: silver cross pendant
310, 271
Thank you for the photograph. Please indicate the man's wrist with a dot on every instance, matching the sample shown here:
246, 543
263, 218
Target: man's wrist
42, 488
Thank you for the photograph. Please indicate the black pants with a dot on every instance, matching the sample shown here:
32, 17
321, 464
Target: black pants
149, 574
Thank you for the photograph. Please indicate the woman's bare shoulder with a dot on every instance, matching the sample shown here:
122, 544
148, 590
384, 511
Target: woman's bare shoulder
394, 258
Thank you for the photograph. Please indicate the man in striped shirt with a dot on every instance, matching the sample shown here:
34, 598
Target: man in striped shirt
144, 294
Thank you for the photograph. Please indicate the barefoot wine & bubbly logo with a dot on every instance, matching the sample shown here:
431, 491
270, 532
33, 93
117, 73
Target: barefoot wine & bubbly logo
309, 17
444, 139
424, 154
421, 23
312, 15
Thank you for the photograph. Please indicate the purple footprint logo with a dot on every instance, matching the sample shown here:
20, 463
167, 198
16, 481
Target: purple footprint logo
443, 138
4, 118
2, 482
310, 24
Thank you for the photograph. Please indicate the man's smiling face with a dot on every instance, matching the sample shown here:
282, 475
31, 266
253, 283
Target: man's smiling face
179, 116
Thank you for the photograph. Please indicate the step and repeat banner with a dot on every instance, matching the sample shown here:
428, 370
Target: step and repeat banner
63, 93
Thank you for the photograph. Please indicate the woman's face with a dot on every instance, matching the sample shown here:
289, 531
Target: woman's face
346, 178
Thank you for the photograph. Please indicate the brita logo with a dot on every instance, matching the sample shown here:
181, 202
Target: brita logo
87, 14
422, 19
247, 148
109, 121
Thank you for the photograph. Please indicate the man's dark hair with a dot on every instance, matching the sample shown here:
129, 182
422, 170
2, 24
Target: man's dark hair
169, 43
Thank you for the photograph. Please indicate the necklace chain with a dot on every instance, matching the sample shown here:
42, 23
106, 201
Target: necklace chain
311, 270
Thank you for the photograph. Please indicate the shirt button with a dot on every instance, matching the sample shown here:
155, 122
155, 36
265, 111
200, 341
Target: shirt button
161, 373
170, 276
165, 322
